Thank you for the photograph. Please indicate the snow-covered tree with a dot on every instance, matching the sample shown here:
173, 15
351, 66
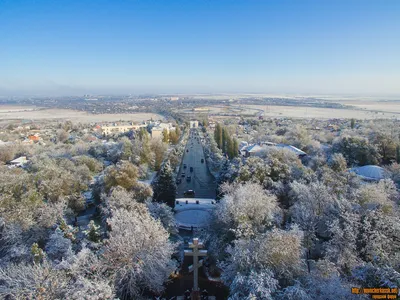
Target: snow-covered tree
342, 247
277, 250
369, 275
312, 206
256, 285
58, 247
246, 209
83, 277
138, 252
32, 281
382, 195
379, 241
338, 162
164, 213
88, 278
119, 198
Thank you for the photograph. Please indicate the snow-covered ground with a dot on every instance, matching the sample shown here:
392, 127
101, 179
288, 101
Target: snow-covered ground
191, 214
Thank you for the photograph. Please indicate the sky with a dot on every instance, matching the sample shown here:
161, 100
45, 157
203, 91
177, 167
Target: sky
74, 47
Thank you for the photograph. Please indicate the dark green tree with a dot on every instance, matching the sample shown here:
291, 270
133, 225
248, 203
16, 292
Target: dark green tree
357, 151
143, 134
93, 232
352, 123
218, 135
229, 147
165, 188
225, 140
235, 148
398, 154
37, 253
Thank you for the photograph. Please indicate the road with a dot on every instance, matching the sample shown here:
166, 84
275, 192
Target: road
202, 181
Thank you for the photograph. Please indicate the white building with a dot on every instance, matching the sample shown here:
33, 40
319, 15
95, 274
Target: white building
194, 124
157, 131
106, 130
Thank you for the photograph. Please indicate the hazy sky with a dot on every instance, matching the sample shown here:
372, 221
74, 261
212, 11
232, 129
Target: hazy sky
134, 46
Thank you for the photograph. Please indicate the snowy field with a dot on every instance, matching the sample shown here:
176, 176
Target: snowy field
10, 112
365, 110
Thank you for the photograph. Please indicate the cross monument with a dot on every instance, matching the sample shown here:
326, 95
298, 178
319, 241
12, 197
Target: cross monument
195, 252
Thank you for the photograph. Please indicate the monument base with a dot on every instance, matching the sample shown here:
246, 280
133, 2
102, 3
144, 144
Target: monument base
195, 295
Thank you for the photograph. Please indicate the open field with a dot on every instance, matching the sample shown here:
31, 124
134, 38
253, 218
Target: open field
370, 110
34, 113
317, 112
381, 106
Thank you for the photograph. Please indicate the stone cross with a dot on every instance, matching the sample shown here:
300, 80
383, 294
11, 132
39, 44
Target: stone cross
195, 252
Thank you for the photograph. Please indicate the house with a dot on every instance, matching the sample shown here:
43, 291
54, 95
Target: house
257, 149
157, 131
242, 147
106, 130
18, 162
252, 150
34, 138
297, 151
370, 173
211, 124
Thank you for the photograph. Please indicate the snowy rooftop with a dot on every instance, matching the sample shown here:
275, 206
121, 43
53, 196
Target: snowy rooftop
19, 161
370, 172
255, 148
291, 148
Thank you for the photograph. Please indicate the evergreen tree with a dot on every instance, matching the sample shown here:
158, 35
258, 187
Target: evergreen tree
235, 148
398, 154
143, 134
225, 140
223, 144
93, 232
37, 253
218, 135
165, 188
353, 122
229, 147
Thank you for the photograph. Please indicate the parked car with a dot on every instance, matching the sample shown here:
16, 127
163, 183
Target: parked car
189, 178
187, 150
191, 169
178, 181
202, 160
183, 175
189, 193
184, 166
